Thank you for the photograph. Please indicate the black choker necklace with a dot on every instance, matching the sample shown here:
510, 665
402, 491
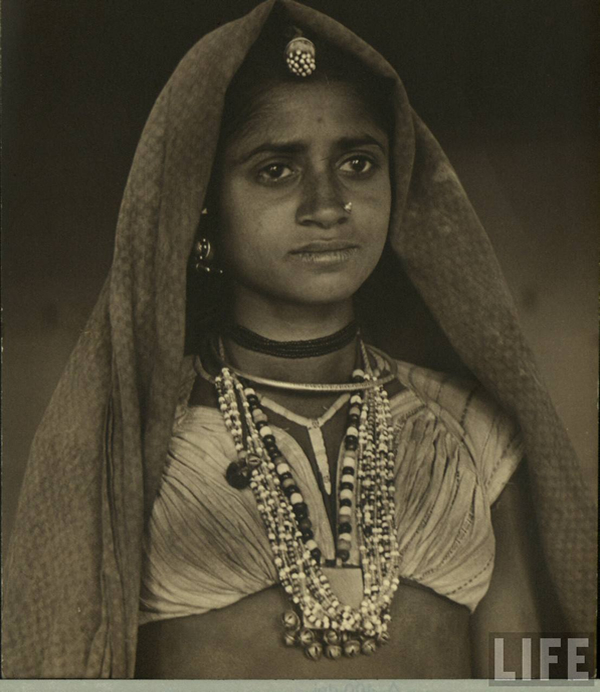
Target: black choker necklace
292, 349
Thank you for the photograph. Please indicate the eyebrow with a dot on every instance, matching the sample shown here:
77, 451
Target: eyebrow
297, 147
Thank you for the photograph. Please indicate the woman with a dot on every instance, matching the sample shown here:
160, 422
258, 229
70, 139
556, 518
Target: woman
307, 186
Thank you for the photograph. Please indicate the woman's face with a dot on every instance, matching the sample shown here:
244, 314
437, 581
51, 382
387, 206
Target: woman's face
284, 235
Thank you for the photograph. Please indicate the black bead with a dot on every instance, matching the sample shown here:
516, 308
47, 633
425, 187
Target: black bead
344, 555
354, 420
307, 535
300, 510
347, 471
368, 531
238, 476
253, 400
285, 476
305, 524
345, 527
351, 442
274, 452
260, 424
315, 553
346, 486
268, 439
290, 490
345, 503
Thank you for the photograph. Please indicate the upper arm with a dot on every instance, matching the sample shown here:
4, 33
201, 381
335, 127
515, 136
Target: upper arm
519, 598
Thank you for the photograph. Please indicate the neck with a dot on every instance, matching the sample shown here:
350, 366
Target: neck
284, 322
330, 368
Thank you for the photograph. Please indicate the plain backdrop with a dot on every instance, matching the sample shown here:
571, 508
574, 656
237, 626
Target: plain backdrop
506, 85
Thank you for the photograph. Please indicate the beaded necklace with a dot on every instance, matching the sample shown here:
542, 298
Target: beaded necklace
360, 385
319, 622
310, 348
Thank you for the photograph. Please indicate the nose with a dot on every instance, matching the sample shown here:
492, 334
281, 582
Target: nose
322, 203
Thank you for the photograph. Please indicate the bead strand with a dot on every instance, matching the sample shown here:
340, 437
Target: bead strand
329, 626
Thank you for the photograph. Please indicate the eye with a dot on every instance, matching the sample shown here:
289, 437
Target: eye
359, 164
274, 173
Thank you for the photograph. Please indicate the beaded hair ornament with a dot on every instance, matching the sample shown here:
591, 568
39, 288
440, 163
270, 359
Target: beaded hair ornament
300, 56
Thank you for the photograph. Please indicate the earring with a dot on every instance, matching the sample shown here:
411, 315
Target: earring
203, 256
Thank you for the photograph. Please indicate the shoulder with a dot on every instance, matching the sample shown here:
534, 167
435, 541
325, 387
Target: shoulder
468, 412
457, 399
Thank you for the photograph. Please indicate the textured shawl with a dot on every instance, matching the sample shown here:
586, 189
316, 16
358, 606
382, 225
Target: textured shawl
73, 574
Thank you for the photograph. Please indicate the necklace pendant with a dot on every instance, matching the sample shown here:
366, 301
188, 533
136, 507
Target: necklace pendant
238, 475
333, 651
347, 584
314, 651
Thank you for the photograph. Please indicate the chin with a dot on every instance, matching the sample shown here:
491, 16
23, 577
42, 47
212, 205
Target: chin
324, 295
318, 289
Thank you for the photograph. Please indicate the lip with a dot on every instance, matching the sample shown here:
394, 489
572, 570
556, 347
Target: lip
325, 247
325, 252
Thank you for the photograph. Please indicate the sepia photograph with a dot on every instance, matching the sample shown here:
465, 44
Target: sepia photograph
300, 340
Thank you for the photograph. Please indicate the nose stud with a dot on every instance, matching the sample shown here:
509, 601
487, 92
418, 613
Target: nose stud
348, 207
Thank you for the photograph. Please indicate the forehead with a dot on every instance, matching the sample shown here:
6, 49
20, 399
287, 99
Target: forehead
318, 109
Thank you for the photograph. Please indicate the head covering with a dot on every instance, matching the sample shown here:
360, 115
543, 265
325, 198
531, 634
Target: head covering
71, 597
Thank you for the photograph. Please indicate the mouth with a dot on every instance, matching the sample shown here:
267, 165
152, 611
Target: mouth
325, 252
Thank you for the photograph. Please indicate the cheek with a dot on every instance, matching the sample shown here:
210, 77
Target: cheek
374, 215
252, 234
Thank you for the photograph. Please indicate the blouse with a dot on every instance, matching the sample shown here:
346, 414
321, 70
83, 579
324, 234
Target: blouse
206, 547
